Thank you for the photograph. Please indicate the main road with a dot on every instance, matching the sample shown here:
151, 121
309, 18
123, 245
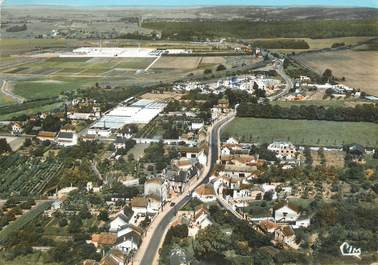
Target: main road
153, 241
278, 66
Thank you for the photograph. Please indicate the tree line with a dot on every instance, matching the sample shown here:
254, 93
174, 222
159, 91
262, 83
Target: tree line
203, 29
359, 113
281, 44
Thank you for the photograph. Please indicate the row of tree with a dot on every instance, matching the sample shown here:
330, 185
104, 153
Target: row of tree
203, 29
359, 113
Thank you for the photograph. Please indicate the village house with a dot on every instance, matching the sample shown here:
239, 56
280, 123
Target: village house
114, 257
205, 193
103, 239
177, 181
83, 116
17, 128
268, 226
197, 125
129, 238
285, 235
129, 242
225, 151
55, 207
119, 143
283, 150
183, 164
143, 206
286, 213
139, 205
46, 136
119, 222
158, 187
302, 221
200, 220
232, 141
89, 138
67, 137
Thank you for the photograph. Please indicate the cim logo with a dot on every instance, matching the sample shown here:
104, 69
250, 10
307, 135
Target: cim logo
349, 250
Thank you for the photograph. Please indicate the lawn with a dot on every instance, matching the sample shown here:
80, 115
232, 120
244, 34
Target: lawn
303, 132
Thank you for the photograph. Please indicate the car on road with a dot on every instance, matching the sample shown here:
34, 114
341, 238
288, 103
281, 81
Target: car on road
172, 204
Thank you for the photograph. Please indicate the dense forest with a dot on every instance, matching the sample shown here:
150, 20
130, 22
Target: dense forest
366, 112
203, 29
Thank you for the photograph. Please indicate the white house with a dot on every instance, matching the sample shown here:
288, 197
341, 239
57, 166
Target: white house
17, 128
286, 213
120, 221
158, 187
200, 221
128, 238
205, 193
202, 157
225, 151
139, 205
197, 125
232, 140
129, 242
302, 221
283, 150
145, 205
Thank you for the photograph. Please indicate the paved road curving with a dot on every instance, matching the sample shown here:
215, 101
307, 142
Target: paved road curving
9, 93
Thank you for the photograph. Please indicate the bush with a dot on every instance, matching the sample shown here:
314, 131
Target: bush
207, 71
62, 222
221, 67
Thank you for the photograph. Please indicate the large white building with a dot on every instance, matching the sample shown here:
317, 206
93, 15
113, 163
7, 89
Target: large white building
140, 112
130, 52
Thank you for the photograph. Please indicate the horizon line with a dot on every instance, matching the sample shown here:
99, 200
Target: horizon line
7, 4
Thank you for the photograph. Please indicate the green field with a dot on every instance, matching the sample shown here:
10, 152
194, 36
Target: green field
303, 132
49, 87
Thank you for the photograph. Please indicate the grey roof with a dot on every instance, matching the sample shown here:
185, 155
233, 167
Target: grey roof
119, 140
65, 135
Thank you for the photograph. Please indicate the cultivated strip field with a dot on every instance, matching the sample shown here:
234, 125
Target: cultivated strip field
360, 68
177, 63
303, 132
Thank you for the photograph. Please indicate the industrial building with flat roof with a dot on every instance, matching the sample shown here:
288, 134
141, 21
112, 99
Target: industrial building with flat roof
140, 112
129, 52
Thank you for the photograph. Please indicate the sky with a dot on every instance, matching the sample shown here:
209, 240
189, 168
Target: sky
110, 3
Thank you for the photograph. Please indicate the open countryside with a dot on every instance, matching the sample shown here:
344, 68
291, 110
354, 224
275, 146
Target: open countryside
204, 135
360, 68
303, 132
